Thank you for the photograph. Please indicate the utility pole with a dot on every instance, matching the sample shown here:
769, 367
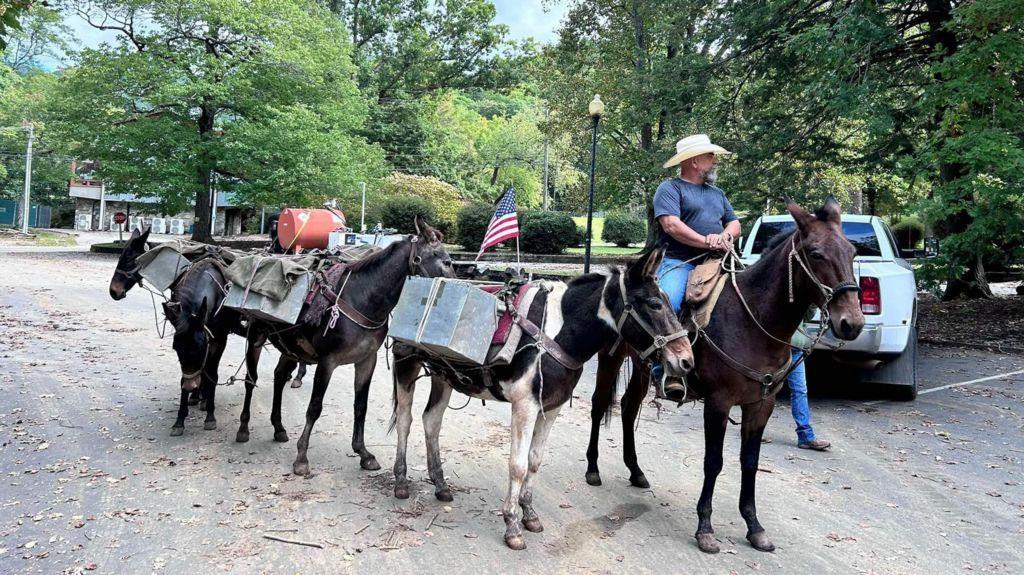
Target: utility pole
362, 210
27, 207
547, 122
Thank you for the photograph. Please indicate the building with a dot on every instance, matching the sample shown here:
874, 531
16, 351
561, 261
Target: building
95, 208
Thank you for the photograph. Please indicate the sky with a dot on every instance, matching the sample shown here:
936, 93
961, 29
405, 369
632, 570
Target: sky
525, 18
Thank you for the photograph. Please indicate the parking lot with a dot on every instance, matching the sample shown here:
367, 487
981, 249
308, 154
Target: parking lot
94, 483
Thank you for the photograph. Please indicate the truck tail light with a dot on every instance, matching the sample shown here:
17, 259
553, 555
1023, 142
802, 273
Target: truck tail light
870, 296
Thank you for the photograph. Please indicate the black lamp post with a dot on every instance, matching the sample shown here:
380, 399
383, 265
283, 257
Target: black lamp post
596, 108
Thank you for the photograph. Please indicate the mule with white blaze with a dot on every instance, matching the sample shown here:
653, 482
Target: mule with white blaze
565, 326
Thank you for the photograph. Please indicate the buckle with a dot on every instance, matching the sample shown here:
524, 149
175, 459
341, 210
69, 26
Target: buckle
767, 380
659, 341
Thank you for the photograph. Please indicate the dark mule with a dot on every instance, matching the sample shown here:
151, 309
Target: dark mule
743, 356
126, 274
369, 290
575, 322
201, 328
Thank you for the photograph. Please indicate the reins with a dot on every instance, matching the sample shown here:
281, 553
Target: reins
770, 382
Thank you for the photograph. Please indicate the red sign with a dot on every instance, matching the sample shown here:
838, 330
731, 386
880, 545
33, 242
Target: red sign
120, 218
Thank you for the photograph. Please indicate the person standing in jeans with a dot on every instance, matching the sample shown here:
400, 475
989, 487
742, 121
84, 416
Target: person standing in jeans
797, 381
695, 219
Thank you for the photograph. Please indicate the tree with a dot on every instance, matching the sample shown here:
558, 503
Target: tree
10, 12
42, 34
253, 98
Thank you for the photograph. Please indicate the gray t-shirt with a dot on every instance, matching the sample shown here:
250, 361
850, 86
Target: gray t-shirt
702, 207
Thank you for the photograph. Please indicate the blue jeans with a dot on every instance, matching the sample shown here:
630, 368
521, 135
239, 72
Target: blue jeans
672, 278
798, 401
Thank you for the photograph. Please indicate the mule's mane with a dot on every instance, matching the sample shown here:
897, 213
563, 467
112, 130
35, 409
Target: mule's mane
777, 241
593, 277
375, 259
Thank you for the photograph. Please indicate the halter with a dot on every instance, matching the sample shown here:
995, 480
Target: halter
629, 312
829, 292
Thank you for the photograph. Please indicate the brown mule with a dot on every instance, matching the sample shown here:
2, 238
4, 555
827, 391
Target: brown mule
743, 356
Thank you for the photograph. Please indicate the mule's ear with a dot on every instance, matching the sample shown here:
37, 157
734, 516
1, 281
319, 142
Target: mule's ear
201, 314
416, 224
172, 310
135, 234
425, 231
138, 240
803, 217
646, 266
830, 212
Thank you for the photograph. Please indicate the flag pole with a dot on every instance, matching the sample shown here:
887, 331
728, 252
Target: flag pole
517, 251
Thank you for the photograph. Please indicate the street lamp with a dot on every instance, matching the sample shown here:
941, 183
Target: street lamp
596, 109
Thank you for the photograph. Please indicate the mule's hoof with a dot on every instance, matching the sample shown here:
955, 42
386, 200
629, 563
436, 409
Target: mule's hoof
177, 431
515, 542
369, 464
707, 543
281, 436
401, 491
594, 478
301, 469
242, 437
639, 481
209, 425
296, 383
533, 525
760, 541
444, 495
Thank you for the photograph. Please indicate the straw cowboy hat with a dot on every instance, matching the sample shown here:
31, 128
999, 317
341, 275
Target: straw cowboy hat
691, 146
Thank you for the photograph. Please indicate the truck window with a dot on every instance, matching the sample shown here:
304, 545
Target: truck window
861, 235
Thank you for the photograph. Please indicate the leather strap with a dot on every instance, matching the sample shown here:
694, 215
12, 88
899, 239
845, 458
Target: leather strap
770, 382
548, 345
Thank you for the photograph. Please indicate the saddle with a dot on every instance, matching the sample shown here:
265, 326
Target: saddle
703, 290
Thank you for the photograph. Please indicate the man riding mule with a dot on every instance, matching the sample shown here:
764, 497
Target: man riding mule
346, 322
695, 219
743, 354
563, 327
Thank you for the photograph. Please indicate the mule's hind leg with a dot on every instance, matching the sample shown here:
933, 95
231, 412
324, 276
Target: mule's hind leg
210, 378
715, 420
437, 403
281, 374
636, 392
321, 379
406, 371
755, 417
524, 419
299, 374
540, 437
195, 397
363, 376
600, 403
179, 424
253, 349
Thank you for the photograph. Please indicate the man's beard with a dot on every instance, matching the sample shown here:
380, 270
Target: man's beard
711, 176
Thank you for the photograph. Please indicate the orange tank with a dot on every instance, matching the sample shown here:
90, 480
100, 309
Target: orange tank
304, 229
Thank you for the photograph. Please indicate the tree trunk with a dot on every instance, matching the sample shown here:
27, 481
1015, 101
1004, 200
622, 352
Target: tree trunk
972, 283
201, 227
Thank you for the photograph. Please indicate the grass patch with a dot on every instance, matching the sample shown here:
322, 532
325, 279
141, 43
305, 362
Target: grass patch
606, 250
597, 227
53, 239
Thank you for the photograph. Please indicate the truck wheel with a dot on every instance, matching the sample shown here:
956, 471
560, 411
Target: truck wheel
908, 391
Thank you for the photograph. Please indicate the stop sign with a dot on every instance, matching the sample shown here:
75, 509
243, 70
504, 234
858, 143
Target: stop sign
120, 218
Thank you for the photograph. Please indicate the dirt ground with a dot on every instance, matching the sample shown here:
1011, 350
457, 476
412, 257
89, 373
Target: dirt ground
93, 483
998, 322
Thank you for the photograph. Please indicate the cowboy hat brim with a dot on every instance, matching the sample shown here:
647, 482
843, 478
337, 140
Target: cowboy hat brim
695, 151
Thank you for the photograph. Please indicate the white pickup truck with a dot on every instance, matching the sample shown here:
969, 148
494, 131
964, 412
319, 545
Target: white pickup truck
886, 351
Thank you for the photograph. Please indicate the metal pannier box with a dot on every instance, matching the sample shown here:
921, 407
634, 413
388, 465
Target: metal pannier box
448, 317
263, 307
164, 269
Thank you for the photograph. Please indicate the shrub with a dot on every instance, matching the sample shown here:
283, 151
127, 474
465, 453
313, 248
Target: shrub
909, 232
442, 196
400, 213
623, 229
580, 238
546, 232
471, 225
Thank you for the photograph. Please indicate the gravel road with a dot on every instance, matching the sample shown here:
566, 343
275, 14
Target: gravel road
93, 483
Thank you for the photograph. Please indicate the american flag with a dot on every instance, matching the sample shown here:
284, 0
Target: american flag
504, 225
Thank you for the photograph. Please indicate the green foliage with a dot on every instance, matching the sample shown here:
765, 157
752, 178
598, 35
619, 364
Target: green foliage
622, 229
400, 213
546, 232
472, 225
443, 197
42, 33
909, 232
10, 13
254, 98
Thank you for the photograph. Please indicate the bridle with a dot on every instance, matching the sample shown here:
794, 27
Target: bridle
658, 342
772, 381
206, 354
